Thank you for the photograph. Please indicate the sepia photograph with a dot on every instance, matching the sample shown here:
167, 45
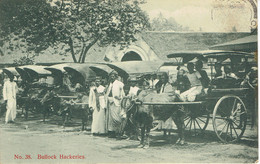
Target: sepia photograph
128, 81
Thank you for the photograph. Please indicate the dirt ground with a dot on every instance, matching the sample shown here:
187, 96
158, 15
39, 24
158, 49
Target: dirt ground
30, 138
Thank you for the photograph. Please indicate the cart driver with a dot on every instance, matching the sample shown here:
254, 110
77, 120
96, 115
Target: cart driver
166, 87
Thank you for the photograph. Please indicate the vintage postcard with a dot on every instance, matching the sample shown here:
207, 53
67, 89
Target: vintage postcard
128, 81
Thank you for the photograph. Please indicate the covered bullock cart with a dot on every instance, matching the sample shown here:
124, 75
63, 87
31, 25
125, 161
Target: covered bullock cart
72, 82
226, 105
36, 82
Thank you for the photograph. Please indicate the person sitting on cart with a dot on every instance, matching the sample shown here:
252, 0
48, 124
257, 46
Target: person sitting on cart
228, 73
166, 87
182, 82
204, 77
153, 81
227, 80
196, 85
218, 70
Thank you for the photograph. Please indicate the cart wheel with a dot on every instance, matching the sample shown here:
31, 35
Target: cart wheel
196, 122
229, 118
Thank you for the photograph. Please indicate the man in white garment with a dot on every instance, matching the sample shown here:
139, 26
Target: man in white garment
166, 88
134, 89
115, 93
153, 81
97, 104
9, 95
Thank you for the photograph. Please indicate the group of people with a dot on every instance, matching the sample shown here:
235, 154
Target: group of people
105, 100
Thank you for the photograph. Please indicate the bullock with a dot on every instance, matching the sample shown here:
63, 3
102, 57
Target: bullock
144, 115
75, 108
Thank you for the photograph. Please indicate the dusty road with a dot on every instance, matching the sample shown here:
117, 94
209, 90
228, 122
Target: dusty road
33, 137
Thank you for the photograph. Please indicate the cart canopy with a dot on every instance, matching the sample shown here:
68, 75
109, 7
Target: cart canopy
11, 71
217, 54
129, 68
57, 68
36, 71
24, 74
80, 72
101, 69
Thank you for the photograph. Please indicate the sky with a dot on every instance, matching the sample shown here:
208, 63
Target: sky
207, 15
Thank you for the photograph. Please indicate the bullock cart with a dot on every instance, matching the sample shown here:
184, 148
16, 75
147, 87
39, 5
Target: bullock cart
224, 101
36, 81
72, 82
225, 104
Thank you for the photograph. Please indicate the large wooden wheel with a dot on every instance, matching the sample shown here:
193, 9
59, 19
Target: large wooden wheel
229, 118
196, 120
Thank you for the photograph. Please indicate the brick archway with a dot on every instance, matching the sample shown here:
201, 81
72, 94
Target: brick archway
133, 53
131, 56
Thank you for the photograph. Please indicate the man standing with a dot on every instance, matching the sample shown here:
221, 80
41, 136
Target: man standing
98, 105
134, 89
115, 94
9, 95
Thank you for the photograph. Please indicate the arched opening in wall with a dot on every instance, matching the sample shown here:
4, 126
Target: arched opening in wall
131, 56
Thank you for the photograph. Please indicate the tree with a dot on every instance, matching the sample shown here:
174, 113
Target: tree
160, 23
72, 26
234, 29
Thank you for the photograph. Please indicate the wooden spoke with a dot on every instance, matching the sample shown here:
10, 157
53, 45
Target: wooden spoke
234, 105
223, 129
188, 122
235, 123
231, 130
235, 130
194, 126
227, 132
198, 124
201, 120
186, 118
221, 123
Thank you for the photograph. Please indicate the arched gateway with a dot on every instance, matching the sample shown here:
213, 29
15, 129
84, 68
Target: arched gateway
131, 56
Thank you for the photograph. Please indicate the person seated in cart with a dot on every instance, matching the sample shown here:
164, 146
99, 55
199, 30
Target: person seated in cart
204, 77
166, 87
228, 73
182, 82
196, 85
153, 81
218, 71
227, 80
